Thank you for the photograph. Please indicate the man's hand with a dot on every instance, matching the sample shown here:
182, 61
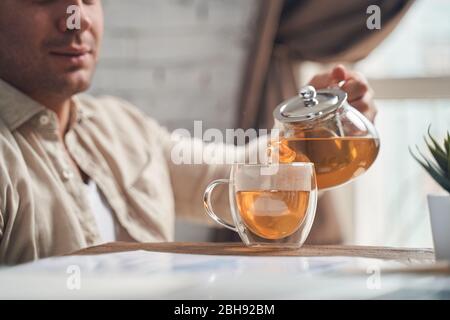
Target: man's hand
360, 94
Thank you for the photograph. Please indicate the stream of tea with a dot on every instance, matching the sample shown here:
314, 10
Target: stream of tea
336, 160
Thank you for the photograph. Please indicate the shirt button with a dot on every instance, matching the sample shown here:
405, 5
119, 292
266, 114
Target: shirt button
67, 174
44, 120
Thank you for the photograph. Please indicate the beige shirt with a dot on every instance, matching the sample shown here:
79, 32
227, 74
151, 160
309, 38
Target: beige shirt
43, 207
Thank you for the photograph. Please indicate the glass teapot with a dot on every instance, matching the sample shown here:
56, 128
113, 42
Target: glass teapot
321, 127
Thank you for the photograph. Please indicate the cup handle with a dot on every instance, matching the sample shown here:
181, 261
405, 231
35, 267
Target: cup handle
208, 206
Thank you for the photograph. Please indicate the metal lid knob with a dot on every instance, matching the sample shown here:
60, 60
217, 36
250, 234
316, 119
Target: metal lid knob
309, 95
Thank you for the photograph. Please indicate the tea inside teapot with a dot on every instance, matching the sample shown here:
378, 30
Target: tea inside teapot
336, 159
340, 142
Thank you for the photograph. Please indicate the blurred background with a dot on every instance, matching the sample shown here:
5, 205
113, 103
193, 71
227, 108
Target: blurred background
230, 62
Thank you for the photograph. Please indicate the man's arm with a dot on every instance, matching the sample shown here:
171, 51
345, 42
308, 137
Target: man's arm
190, 178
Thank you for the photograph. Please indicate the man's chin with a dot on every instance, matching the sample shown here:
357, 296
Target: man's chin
76, 82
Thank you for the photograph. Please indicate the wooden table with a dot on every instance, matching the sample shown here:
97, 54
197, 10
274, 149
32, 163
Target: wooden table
417, 260
241, 250
232, 271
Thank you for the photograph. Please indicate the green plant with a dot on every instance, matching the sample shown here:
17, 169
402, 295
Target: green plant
439, 167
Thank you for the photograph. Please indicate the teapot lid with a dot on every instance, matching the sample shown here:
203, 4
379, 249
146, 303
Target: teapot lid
310, 104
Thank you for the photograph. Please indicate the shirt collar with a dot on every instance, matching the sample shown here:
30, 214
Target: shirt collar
79, 112
16, 108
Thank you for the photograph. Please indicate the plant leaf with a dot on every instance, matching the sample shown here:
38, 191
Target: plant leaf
447, 143
442, 181
432, 171
447, 149
436, 145
447, 146
431, 164
440, 157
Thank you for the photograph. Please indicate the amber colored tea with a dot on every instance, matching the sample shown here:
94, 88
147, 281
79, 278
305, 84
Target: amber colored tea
273, 214
336, 160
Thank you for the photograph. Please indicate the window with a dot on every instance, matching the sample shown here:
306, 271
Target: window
410, 73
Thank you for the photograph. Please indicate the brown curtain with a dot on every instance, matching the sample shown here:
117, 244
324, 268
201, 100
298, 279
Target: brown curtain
291, 31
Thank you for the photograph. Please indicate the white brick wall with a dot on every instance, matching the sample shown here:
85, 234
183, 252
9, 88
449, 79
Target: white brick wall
179, 61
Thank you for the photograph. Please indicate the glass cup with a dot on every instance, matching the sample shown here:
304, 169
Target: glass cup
271, 205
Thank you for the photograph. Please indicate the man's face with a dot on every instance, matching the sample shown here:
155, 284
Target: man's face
39, 55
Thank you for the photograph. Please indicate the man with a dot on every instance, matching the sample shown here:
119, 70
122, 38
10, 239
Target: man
77, 171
